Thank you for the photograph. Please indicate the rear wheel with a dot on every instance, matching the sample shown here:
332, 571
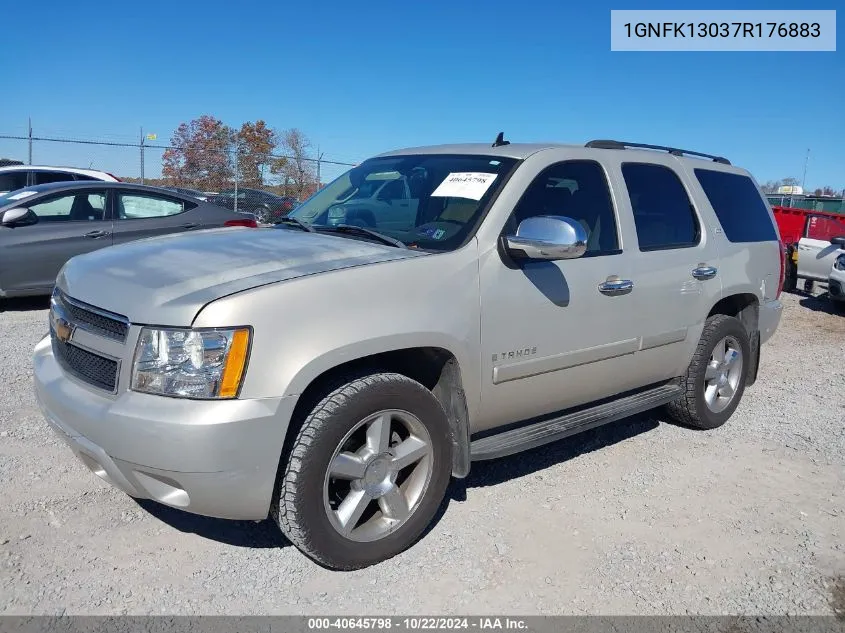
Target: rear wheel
716, 377
367, 472
262, 215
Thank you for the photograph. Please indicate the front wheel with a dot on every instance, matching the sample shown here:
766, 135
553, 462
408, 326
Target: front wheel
716, 377
367, 472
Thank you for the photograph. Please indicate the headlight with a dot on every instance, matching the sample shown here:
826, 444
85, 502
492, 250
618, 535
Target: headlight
190, 363
839, 264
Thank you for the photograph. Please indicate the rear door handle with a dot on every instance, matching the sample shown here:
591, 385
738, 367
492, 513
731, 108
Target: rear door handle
614, 287
96, 234
703, 272
189, 225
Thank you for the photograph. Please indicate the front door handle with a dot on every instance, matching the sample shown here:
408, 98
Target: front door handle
189, 225
704, 272
96, 234
614, 286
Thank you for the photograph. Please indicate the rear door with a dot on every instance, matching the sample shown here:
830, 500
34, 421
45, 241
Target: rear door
69, 224
675, 271
815, 252
140, 214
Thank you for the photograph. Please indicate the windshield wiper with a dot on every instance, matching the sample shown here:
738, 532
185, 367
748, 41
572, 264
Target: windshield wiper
351, 228
296, 222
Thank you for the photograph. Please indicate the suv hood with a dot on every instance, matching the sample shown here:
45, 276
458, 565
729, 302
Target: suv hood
167, 280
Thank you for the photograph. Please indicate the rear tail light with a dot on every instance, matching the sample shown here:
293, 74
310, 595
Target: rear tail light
783, 255
251, 223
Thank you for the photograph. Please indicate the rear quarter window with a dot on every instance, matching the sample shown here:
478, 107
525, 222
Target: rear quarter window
741, 210
10, 181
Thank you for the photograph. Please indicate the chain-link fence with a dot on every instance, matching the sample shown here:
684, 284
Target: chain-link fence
829, 205
208, 169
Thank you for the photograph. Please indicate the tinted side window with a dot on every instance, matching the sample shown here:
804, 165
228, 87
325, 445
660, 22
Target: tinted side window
738, 205
663, 213
77, 207
44, 177
135, 207
12, 181
576, 189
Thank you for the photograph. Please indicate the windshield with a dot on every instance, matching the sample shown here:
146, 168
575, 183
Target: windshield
431, 201
18, 195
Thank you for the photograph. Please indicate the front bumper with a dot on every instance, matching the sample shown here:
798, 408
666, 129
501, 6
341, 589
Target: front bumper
215, 458
769, 319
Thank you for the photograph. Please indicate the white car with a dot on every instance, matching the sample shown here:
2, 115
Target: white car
15, 177
836, 280
817, 248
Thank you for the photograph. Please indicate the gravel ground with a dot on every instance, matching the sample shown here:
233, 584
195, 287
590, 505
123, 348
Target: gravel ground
641, 517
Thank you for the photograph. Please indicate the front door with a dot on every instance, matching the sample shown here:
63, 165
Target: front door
69, 224
554, 334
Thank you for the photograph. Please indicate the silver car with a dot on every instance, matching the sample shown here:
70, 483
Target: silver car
43, 226
335, 376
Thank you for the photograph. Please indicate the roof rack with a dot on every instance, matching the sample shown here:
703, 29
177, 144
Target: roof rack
605, 144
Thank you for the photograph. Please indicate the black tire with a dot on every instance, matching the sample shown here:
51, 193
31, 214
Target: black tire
790, 280
262, 215
691, 409
298, 506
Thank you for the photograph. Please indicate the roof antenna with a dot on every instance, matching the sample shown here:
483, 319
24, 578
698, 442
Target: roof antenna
500, 140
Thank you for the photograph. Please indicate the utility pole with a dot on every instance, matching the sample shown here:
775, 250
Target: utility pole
319, 178
804, 178
237, 149
142, 154
30, 140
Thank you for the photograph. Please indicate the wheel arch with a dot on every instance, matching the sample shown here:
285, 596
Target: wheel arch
435, 367
745, 307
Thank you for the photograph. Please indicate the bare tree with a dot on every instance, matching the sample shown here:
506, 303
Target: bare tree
771, 186
297, 168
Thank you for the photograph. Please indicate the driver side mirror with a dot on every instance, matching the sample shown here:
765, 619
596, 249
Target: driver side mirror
20, 216
548, 237
839, 241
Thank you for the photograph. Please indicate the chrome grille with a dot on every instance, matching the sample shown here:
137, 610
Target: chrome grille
87, 366
94, 320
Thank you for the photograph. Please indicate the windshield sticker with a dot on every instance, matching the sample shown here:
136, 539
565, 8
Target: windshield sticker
22, 194
432, 232
472, 185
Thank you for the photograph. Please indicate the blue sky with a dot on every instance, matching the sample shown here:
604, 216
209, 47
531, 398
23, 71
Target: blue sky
359, 78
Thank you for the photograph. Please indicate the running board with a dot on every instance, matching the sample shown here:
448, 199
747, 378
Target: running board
539, 433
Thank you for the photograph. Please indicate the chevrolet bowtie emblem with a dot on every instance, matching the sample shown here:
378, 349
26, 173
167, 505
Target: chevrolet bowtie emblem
64, 330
